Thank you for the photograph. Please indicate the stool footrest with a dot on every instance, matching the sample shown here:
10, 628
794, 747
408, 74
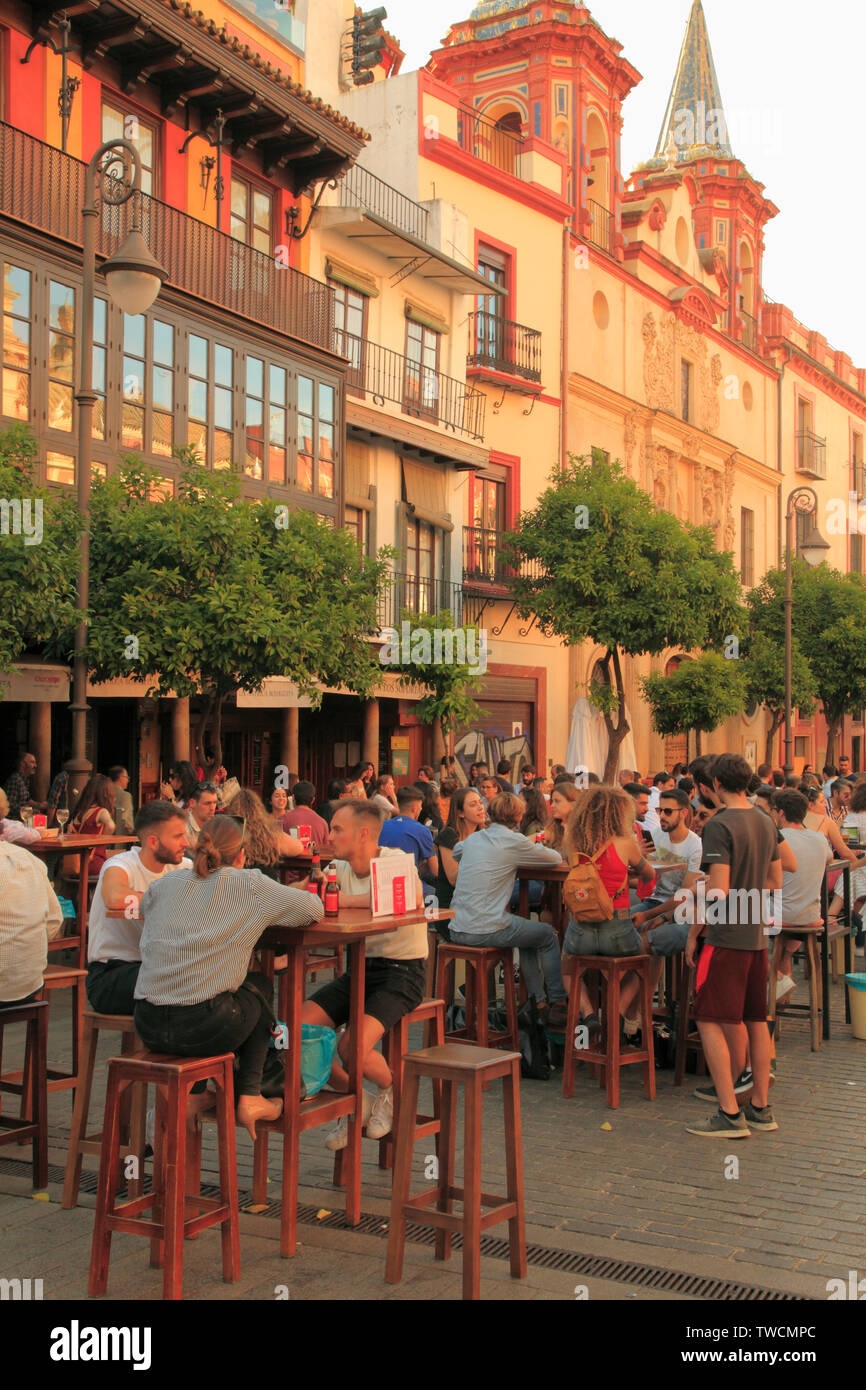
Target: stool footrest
503, 1209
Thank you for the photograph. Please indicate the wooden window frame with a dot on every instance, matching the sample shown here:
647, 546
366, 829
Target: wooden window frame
418, 407
253, 186
125, 108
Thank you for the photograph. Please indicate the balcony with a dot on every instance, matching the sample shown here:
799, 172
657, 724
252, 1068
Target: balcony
503, 346
487, 140
749, 331
408, 593
42, 187
600, 227
361, 189
811, 455
425, 394
484, 567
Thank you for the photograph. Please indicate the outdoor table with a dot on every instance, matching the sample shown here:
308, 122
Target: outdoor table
350, 929
543, 873
301, 863
80, 845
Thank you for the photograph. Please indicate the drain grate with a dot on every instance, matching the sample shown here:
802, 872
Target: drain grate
540, 1256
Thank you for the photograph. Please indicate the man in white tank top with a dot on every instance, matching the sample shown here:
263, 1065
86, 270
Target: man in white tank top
113, 943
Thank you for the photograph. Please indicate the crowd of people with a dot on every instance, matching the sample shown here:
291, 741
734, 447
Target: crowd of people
175, 918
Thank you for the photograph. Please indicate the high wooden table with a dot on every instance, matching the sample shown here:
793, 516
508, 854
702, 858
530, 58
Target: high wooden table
80, 845
555, 874
350, 929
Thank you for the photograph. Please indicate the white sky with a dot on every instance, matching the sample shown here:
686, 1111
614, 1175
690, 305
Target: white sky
791, 78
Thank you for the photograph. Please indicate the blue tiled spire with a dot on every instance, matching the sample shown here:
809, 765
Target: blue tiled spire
694, 122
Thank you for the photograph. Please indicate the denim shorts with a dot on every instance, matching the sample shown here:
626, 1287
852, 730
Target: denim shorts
615, 938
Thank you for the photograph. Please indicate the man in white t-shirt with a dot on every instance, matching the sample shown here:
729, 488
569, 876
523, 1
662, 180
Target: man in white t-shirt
395, 969
677, 855
30, 917
114, 943
801, 890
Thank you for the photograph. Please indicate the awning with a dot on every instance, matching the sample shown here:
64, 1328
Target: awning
408, 253
426, 492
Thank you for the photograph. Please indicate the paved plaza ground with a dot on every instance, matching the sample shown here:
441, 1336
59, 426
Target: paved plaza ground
605, 1207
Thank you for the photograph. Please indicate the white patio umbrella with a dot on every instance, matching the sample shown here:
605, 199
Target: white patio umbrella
588, 742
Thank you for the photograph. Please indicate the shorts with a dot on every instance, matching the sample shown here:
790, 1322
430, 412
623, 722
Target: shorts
618, 937
731, 986
392, 988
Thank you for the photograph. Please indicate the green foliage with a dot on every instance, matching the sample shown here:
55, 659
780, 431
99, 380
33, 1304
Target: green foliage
37, 580
764, 671
699, 694
450, 701
222, 591
635, 578
829, 630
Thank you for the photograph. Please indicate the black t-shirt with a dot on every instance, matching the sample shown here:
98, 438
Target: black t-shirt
748, 842
446, 839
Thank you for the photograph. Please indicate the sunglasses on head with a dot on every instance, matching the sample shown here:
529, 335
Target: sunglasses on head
207, 786
242, 822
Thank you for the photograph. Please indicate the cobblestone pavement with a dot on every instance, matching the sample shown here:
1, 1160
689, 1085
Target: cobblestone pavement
788, 1216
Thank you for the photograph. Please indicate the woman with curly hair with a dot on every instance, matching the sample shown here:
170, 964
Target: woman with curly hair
601, 823
265, 842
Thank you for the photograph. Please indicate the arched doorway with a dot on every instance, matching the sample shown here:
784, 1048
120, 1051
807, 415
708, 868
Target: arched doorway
506, 136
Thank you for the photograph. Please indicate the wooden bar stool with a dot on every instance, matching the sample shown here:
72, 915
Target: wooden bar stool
479, 961
688, 1034
133, 1123
168, 1223
809, 936
469, 1066
35, 1126
58, 977
395, 1048
610, 1057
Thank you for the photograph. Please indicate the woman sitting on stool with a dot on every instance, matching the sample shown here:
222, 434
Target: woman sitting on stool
194, 995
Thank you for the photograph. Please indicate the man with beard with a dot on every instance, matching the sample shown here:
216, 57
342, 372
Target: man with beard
114, 943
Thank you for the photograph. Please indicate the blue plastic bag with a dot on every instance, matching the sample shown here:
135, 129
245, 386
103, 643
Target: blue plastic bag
318, 1048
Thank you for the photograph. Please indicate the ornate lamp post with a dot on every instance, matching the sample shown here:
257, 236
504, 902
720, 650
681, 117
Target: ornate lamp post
803, 501
134, 279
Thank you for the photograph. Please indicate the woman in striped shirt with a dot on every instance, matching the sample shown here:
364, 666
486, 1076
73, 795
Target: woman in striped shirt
194, 995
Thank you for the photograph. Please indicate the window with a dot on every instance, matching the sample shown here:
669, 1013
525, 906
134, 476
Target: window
358, 522
600, 455
316, 420
61, 355
492, 308
162, 386
118, 124
425, 558
858, 478
685, 389
856, 561
134, 371
265, 401
15, 387
801, 748
489, 512
804, 522
421, 384
100, 339
211, 381
747, 547
350, 322
60, 468
251, 215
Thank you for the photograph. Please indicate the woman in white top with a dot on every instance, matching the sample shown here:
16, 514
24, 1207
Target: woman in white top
194, 995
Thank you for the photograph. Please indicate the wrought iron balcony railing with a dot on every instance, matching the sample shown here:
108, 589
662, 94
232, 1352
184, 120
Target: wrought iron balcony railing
749, 333
504, 346
811, 454
419, 390
419, 594
44, 188
362, 189
601, 228
483, 562
488, 141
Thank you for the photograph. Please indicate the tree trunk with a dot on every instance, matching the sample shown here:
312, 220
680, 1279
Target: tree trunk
201, 729
217, 736
616, 732
438, 743
698, 749
775, 725
833, 726
688, 760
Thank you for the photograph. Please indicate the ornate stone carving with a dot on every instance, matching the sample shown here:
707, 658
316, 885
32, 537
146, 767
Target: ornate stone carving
664, 345
730, 530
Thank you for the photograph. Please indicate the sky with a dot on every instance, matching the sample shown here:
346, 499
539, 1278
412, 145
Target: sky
791, 79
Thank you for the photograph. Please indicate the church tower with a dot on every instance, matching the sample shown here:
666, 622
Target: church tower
545, 69
729, 208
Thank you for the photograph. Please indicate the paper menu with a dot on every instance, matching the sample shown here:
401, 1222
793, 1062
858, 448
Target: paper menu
388, 872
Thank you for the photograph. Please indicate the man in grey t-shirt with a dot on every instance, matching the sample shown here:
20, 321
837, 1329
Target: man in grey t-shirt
801, 891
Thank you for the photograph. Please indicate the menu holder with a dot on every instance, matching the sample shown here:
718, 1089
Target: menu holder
392, 884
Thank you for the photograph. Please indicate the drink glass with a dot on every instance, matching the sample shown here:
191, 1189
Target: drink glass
62, 818
27, 816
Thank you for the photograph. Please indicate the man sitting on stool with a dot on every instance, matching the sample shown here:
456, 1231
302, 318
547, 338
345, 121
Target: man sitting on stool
114, 943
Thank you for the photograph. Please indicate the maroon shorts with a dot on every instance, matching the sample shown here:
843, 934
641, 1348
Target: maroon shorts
731, 986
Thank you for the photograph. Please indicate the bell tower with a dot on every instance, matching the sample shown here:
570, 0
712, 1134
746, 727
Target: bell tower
546, 70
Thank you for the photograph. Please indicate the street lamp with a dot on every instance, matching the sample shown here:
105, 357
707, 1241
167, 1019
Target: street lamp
803, 501
134, 278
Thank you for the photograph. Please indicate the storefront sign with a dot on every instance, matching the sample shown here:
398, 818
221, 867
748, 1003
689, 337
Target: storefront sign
31, 683
276, 693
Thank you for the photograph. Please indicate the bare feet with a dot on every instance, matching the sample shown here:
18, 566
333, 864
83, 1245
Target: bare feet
254, 1108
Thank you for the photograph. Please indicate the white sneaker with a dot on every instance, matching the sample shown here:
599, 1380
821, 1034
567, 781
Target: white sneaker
339, 1135
785, 985
382, 1116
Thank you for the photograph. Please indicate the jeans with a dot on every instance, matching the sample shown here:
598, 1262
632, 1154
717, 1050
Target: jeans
111, 985
537, 941
615, 938
231, 1022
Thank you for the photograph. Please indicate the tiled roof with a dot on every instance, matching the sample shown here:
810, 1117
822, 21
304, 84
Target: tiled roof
249, 55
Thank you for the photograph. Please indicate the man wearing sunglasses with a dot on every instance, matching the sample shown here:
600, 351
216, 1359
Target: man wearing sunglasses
202, 808
678, 868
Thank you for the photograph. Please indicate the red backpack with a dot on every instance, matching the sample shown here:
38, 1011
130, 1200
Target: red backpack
584, 893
